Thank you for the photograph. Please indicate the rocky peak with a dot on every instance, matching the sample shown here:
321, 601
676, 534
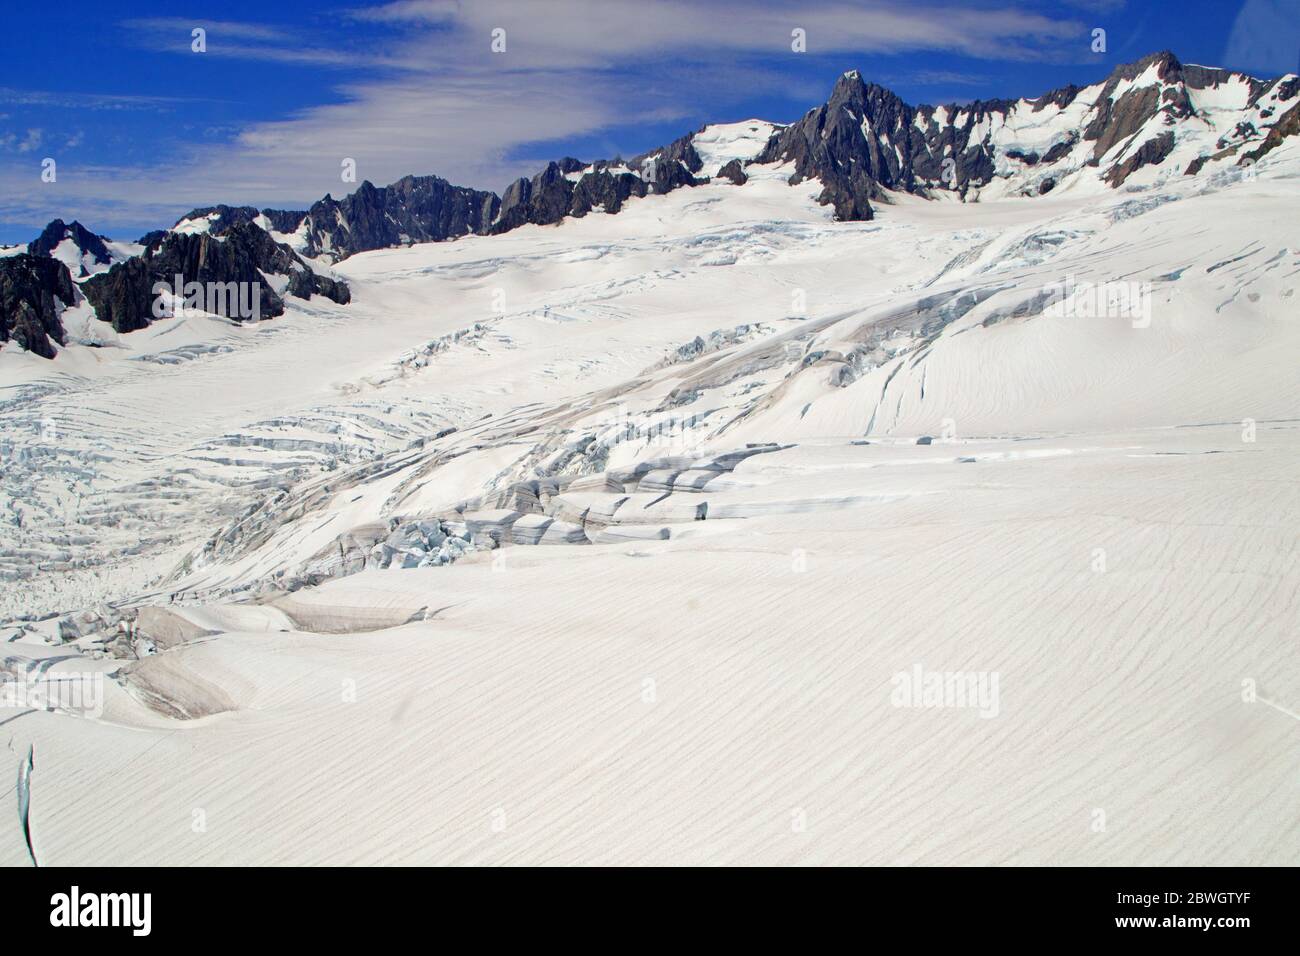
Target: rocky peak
413, 209
222, 216
34, 289
1167, 67
241, 252
865, 141
87, 246
861, 145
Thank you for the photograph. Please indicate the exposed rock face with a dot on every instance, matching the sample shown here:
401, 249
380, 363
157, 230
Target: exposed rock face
544, 199
572, 188
304, 283
1117, 119
839, 145
29, 313
413, 209
86, 241
673, 166
153, 238
1287, 125
1150, 152
863, 143
734, 172
280, 220
865, 139
122, 296
241, 253
603, 190
430, 209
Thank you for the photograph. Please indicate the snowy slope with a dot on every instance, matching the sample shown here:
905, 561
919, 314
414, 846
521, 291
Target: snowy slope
1050, 438
720, 143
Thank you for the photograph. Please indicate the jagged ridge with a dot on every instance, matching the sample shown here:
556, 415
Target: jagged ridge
862, 144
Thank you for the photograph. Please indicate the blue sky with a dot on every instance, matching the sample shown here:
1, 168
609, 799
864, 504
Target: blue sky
143, 128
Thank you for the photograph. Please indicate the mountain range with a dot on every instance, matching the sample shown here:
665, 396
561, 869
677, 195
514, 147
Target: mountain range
864, 144
901, 485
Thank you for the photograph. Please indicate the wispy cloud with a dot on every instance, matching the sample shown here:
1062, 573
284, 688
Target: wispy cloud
436, 98
939, 78
25, 143
1266, 36
593, 34
1098, 6
410, 11
240, 40
85, 101
182, 27
600, 34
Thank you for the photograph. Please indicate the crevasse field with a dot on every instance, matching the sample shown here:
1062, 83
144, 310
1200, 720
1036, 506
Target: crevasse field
719, 469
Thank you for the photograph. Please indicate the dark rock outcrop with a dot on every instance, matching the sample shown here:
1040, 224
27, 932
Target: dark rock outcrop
413, 209
85, 240
734, 172
605, 190
304, 283
544, 199
572, 188
1060, 150
1287, 125
153, 238
1060, 98
865, 140
838, 144
280, 220
1151, 152
30, 289
123, 295
861, 145
430, 209
243, 254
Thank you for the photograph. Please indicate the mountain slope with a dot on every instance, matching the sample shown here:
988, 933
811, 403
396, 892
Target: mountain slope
83, 252
240, 254
863, 143
617, 553
33, 290
1151, 120
865, 140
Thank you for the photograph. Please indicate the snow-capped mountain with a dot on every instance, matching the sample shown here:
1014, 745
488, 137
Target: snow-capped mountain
1155, 116
626, 525
79, 249
241, 252
861, 145
1155, 112
34, 290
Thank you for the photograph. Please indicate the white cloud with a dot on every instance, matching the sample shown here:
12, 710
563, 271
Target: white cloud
180, 28
410, 11
30, 141
85, 101
1099, 6
1266, 37
442, 102
566, 34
